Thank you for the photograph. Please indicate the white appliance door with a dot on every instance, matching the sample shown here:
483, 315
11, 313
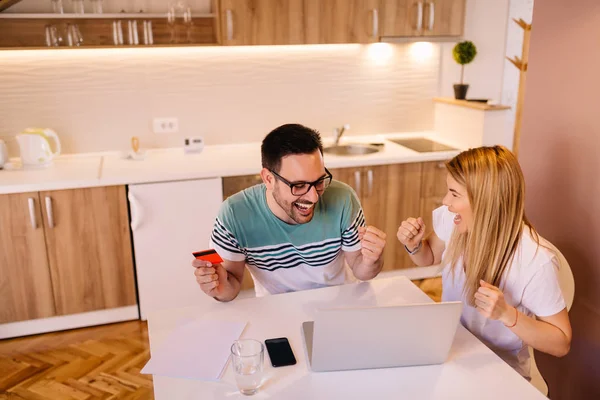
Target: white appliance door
169, 221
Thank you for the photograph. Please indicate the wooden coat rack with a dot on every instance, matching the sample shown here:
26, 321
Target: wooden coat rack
521, 64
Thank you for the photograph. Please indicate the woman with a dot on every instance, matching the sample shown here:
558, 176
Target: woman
492, 258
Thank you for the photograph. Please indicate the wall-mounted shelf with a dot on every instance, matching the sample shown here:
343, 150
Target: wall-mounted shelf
471, 104
29, 30
95, 16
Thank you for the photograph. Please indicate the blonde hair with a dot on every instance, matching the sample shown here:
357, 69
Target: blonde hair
496, 191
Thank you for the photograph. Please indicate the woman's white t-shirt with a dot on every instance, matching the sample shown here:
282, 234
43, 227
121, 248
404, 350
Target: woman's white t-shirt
530, 284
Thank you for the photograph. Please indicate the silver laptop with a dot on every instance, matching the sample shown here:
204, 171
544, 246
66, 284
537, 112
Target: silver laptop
381, 337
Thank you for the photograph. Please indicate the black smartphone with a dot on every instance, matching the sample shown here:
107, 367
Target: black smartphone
280, 352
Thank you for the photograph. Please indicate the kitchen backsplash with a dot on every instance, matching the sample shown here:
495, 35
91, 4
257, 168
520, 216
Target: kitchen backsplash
96, 100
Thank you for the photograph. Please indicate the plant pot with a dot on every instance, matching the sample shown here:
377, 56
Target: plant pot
460, 91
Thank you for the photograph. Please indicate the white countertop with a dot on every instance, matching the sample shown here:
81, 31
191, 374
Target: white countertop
159, 165
471, 371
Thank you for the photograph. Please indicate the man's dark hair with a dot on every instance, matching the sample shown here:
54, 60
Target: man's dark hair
286, 140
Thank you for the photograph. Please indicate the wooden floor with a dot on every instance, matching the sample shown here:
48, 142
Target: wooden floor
91, 363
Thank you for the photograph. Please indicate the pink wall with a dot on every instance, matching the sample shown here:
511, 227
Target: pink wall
560, 155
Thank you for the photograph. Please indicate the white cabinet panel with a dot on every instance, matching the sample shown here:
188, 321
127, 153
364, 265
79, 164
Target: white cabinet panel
169, 221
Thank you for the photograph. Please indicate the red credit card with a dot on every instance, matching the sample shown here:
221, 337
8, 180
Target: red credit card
208, 255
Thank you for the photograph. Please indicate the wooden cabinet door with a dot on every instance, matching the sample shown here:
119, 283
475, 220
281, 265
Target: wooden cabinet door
25, 285
399, 18
402, 200
434, 179
444, 17
89, 248
349, 21
268, 22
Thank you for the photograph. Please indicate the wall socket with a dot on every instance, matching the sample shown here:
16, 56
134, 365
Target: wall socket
165, 125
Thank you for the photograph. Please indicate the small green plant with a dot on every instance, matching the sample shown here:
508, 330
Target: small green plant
463, 53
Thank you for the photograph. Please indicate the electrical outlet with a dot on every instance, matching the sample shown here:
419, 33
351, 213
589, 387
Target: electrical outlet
165, 125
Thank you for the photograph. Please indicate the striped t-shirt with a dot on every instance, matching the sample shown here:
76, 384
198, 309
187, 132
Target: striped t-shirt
284, 257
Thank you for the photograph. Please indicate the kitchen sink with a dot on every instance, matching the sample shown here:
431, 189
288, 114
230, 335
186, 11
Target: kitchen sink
352, 149
422, 145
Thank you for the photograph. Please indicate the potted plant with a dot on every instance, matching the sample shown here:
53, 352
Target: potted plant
463, 53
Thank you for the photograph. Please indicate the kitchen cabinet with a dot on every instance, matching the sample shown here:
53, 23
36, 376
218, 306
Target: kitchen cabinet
169, 221
65, 253
243, 22
433, 190
234, 184
25, 283
349, 21
268, 22
388, 194
422, 17
283, 22
89, 248
444, 18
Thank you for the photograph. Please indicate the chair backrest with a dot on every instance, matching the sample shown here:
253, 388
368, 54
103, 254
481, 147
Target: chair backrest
565, 275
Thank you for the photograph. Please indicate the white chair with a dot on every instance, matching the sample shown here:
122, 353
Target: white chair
567, 286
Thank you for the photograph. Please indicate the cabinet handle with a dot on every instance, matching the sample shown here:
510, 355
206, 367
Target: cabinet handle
32, 217
431, 15
229, 23
357, 181
136, 211
419, 26
441, 165
370, 181
375, 23
49, 212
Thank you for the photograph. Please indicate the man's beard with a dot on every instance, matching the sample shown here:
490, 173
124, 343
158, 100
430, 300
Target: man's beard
292, 210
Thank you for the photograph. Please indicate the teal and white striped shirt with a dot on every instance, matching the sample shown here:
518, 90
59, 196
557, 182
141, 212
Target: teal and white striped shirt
282, 257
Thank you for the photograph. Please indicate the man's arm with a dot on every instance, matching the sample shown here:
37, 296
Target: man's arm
367, 262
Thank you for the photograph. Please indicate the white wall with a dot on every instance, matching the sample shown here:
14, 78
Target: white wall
485, 26
98, 99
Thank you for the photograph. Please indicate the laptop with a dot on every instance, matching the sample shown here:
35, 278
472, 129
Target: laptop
381, 337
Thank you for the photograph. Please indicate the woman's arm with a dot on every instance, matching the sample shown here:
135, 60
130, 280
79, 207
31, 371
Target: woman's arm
410, 234
550, 334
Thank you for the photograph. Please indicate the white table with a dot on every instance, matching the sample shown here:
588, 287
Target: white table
472, 371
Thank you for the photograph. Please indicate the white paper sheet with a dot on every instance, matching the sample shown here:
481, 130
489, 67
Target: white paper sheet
198, 349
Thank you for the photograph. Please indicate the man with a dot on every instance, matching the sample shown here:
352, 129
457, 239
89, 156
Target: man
295, 230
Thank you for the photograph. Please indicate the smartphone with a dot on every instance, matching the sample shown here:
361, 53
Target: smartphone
280, 352
208, 255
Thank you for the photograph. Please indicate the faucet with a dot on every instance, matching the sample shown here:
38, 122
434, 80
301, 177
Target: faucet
339, 132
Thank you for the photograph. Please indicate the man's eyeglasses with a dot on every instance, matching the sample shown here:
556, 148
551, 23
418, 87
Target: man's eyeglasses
301, 188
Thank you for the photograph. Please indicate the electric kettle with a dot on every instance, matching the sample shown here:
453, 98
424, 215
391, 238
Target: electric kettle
35, 147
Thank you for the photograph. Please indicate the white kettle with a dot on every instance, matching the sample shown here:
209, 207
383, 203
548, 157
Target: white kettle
35, 147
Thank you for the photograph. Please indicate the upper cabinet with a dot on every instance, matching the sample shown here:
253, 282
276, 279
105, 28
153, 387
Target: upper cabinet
268, 22
408, 18
444, 17
239, 23
349, 21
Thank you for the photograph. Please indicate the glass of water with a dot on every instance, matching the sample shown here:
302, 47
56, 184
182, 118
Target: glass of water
248, 356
